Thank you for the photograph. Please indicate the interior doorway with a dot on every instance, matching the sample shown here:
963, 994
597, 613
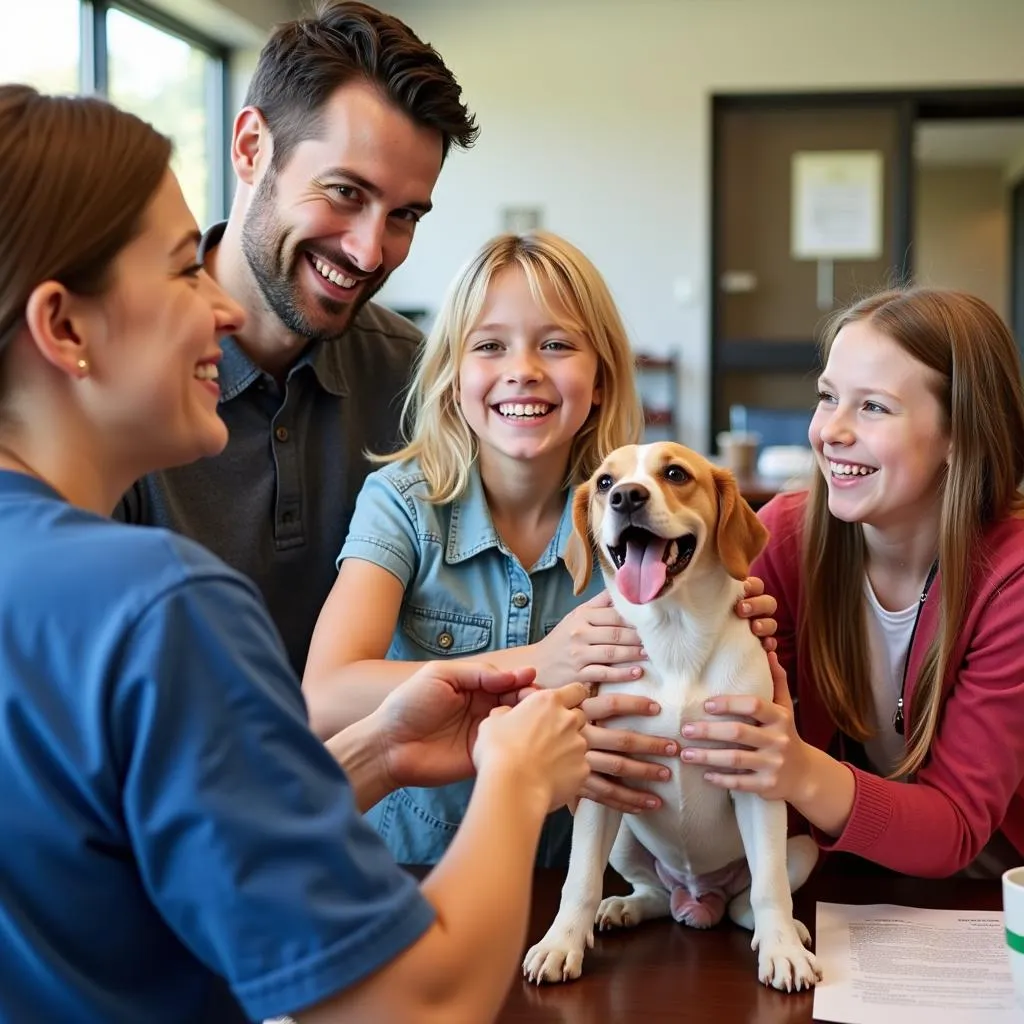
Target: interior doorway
966, 173
951, 197
1017, 261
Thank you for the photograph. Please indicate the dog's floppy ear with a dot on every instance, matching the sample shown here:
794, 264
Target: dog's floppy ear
741, 535
579, 553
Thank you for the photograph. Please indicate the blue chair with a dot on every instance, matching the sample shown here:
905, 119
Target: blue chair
775, 426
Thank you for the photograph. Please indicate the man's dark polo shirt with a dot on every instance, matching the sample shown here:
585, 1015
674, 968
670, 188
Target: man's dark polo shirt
277, 502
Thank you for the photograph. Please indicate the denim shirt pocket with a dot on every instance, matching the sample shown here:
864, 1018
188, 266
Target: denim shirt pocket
417, 825
550, 624
441, 633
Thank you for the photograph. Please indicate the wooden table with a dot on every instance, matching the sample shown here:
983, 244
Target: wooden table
663, 971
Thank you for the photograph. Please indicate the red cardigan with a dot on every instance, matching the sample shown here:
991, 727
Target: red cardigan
973, 780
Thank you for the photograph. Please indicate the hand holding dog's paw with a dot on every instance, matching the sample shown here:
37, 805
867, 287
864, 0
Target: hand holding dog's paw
559, 955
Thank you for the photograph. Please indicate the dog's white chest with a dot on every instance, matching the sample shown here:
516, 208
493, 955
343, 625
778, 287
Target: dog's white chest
675, 540
694, 831
681, 700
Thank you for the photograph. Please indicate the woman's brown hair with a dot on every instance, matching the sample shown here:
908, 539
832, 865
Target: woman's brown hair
76, 176
978, 372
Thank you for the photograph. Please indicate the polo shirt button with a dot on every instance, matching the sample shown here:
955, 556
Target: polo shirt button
445, 640
281, 433
520, 600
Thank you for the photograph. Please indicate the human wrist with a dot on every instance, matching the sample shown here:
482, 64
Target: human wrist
807, 786
530, 788
512, 658
535, 656
807, 782
361, 751
826, 792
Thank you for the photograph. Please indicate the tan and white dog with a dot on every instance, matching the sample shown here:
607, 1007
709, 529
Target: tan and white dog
675, 540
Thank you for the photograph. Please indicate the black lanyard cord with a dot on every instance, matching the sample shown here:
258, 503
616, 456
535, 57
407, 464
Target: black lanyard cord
897, 718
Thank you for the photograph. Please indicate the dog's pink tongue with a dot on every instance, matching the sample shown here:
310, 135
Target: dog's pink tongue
643, 575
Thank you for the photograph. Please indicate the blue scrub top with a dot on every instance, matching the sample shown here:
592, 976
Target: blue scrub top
176, 844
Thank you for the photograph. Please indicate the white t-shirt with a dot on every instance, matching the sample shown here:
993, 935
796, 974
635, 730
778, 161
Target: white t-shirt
889, 636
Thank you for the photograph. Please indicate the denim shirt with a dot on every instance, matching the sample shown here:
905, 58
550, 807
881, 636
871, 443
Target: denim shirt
465, 594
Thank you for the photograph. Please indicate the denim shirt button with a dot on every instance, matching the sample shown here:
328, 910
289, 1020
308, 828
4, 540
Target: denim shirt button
445, 640
520, 600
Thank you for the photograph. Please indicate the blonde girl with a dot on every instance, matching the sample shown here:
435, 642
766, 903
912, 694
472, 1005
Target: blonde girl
455, 549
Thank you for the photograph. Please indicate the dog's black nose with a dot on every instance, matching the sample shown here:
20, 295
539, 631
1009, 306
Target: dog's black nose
629, 498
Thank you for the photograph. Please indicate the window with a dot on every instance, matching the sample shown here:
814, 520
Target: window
40, 44
141, 60
166, 80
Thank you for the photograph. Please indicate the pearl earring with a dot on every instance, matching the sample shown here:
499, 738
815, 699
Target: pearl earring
83, 367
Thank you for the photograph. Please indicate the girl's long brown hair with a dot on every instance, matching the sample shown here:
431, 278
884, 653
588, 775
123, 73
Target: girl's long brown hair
978, 367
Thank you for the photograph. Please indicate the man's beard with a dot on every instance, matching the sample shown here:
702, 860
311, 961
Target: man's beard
263, 245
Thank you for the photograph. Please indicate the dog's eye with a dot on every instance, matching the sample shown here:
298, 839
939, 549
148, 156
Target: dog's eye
676, 474
604, 482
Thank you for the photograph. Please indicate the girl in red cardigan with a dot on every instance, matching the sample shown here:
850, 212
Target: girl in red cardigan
900, 579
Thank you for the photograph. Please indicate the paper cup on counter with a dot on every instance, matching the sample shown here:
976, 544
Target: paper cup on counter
1013, 919
738, 450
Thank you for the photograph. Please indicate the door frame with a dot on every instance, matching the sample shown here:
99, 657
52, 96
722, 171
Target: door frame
1017, 261
911, 106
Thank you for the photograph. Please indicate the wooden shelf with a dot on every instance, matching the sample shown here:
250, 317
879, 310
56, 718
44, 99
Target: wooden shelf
658, 403
644, 362
658, 417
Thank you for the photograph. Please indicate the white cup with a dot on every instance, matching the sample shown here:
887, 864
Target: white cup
1013, 919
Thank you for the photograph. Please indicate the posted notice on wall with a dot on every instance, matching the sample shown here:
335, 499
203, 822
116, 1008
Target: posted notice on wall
884, 964
837, 205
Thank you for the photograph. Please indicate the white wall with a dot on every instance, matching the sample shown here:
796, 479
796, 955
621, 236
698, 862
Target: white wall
963, 232
599, 111
237, 23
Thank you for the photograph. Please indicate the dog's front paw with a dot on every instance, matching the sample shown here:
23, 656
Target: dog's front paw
783, 961
614, 913
629, 911
559, 955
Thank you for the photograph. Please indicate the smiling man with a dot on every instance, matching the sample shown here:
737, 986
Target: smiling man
348, 119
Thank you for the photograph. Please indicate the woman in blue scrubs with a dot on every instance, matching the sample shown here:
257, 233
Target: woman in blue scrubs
177, 845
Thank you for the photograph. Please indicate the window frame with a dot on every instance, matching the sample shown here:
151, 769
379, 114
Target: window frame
93, 78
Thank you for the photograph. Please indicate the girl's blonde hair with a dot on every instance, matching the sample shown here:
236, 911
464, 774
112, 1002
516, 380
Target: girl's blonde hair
978, 372
439, 437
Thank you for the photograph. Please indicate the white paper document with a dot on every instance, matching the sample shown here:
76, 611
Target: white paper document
884, 964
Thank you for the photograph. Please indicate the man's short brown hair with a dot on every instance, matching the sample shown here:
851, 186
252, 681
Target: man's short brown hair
306, 60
